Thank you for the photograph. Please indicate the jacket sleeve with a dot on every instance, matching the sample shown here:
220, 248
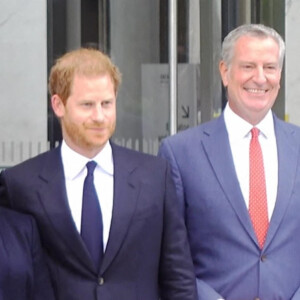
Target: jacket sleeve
177, 275
42, 286
205, 292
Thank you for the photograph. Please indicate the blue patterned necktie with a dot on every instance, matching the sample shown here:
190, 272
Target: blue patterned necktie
91, 218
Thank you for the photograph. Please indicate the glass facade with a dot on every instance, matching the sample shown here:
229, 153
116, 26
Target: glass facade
139, 37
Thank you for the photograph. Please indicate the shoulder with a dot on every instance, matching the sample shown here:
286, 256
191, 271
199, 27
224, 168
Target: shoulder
34, 164
132, 160
134, 156
286, 127
191, 137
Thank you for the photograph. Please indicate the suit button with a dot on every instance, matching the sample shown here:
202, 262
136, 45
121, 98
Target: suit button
262, 258
100, 280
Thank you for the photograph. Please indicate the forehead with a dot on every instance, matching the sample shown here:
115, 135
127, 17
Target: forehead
85, 77
92, 86
88, 80
253, 45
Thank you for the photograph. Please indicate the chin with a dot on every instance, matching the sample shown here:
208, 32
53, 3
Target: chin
97, 144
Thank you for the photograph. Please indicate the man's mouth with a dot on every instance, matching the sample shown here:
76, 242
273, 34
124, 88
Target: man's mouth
256, 91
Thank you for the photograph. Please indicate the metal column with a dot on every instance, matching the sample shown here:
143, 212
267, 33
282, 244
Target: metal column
173, 64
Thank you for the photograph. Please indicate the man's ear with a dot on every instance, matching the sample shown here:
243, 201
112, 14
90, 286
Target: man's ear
57, 106
223, 68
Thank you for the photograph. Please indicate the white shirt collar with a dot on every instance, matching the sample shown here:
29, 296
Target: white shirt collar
238, 128
74, 163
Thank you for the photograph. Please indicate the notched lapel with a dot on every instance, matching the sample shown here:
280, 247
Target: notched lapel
288, 160
217, 148
53, 197
126, 191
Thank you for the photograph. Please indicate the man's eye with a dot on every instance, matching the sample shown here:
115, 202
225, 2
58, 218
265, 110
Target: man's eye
106, 103
271, 68
87, 104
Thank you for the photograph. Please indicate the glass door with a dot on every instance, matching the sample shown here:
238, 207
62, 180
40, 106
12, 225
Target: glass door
168, 52
141, 45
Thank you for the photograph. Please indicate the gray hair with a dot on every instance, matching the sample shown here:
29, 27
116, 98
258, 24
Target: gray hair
254, 30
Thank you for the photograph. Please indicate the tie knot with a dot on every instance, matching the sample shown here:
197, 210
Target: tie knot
254, 132
91, 165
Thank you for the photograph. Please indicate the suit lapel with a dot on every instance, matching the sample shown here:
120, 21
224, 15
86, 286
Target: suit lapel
288, 151
52, 193
126, 192
222, 163
217, 149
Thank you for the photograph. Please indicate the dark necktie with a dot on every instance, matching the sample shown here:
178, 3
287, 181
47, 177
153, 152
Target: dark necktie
258, 208
91, 218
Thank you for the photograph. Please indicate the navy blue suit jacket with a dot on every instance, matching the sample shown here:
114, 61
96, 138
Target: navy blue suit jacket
147, 254
228, 261
23, 272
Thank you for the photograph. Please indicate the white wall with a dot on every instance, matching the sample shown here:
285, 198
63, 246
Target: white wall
292, 101
23, 79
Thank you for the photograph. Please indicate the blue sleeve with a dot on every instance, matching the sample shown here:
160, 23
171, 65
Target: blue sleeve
42, 285
205, 292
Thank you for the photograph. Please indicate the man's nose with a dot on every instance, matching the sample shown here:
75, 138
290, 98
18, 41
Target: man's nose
98, 113
260, 75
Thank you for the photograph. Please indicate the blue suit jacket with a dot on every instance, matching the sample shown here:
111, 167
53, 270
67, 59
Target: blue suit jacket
23, 272
226, 255
147, 254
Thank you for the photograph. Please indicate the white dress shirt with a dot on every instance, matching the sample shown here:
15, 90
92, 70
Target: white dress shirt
239, 138
75, 172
